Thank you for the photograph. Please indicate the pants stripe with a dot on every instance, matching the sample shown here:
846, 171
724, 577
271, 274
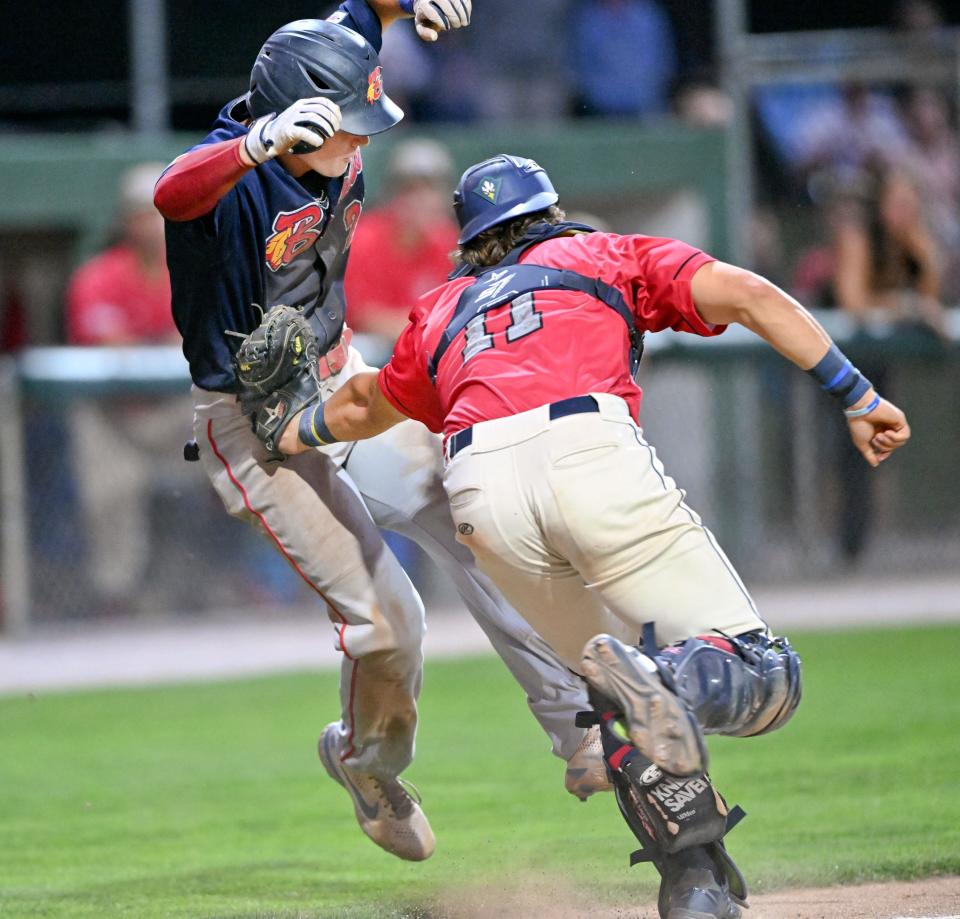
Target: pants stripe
269, 530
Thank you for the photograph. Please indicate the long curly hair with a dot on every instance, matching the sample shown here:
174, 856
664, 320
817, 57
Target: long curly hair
490, 246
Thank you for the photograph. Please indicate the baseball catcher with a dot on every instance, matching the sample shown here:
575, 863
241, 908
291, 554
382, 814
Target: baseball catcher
523, 361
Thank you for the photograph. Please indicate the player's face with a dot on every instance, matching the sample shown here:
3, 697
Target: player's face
333, 158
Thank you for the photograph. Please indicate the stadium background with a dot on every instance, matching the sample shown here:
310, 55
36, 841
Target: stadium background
205, 799
756, 446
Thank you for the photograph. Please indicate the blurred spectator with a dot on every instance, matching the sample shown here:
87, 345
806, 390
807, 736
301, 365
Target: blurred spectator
411, 69
624, 57
519, 54
922, 18
702, 104
456, 84
124, 449
840, 138
401, 249
933, 157
886, 261
122, 296
886, 276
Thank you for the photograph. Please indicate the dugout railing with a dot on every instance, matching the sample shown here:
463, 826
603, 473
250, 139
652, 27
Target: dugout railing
753, 441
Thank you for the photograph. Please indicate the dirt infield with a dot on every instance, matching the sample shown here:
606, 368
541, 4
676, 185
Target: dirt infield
936, 898
933, 898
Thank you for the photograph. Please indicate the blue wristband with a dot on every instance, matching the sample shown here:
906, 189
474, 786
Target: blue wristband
407, 6
838, 377
313, 430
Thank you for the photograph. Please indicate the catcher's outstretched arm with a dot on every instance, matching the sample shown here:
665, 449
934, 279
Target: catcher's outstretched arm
724, 293
356, 411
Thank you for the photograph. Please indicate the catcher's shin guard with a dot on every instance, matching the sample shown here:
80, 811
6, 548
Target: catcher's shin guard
660, 724
745, 685
680, 823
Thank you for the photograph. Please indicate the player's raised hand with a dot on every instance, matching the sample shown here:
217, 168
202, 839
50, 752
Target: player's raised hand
431, 17
301, 128
877, 434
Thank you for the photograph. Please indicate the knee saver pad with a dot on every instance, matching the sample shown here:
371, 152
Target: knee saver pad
742, 686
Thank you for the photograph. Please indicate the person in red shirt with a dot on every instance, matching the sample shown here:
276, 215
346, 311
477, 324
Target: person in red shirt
525, 360
402, 249
123, 447
122, 295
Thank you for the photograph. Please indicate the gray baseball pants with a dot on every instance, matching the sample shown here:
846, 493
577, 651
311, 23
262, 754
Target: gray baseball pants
321, 510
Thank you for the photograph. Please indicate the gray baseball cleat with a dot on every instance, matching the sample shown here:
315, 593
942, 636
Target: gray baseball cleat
385, 810
587, 770
657, 720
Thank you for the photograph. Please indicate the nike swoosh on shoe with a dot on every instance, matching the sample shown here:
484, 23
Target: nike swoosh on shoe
370, 811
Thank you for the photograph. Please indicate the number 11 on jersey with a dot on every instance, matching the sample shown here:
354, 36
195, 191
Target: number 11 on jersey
525, 319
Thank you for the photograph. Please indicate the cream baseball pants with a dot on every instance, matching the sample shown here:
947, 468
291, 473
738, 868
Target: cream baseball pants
576, 522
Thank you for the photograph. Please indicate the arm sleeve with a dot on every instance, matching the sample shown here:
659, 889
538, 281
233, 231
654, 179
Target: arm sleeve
405, 383
661, 270
193, 183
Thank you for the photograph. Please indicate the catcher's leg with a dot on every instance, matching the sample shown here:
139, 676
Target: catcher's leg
739, 685
412, 502
680, 823
319, 524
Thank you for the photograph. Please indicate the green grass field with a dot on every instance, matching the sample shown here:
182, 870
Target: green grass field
208, 801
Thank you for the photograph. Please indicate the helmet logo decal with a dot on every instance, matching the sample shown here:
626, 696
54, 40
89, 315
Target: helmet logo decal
375, 85
488, 189
293, 233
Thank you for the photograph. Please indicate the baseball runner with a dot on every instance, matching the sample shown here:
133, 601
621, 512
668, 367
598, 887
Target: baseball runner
524, 361
261, 212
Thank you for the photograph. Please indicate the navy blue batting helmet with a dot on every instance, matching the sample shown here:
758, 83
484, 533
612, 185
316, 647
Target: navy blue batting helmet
499, 189
316, 57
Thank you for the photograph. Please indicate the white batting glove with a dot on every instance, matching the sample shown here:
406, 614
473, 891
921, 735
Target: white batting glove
430, 17
307, 121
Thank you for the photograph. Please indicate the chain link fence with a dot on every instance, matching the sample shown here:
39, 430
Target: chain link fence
102, 517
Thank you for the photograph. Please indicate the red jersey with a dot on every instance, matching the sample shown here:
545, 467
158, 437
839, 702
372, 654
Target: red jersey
577, 346
383, 273
110, 300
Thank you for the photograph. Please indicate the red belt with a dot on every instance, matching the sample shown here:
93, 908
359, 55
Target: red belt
335, 359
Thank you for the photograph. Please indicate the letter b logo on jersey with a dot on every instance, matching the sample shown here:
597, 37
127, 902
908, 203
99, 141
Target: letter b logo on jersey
293, 233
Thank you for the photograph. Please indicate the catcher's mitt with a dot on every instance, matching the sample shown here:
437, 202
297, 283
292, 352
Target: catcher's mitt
277, 368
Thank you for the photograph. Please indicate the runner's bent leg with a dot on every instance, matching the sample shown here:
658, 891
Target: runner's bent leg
320, 526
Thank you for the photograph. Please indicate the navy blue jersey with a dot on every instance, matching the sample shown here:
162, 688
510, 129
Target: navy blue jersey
271, 239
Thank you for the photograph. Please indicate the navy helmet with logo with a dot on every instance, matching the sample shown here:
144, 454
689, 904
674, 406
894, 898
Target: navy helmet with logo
499, 189
316, 57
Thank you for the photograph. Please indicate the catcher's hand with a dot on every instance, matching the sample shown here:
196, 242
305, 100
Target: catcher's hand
277, 368
879, 433
301, 128
430, 17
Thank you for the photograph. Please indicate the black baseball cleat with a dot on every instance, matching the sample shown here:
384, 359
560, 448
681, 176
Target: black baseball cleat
658, 721
694, 887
